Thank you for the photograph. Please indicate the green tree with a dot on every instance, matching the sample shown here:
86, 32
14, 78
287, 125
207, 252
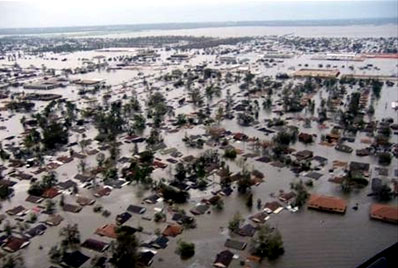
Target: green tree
301, 193
124, 253
235, 222
267, 243
13, 261
185, 249
244, 181
70, 235
54, 134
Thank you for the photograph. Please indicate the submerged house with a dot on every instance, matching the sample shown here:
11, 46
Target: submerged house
95, 245
108, 230
273, 207
145, 258
84, 201
343, 148
54, 220
304, 155
384, 213
223, 259
122, 218
260, 217
305, 138
235, 244
19, 210
136, 209
37, 230
14, 244
74, 259
247, 230
199, 209
173, 230
327, 203
71, 208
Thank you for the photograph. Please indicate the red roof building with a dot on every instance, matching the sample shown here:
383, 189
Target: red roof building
50, 193
384, 213
327, 203
108, 230
173, 230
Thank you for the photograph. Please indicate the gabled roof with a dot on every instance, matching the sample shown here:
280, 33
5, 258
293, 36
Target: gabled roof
50, 193
71, 208
66, 184
37, 230
108, 230
95, 245
102, 192
14, 244
123, 217
160, 242
260, 217
83, 178
54, 220
74, 259
199, 209
152, 199
235, 244
136, 209
84, 201
173, 230
16, 210
34, 199
272, 206
223, 259
247, 230
145, 258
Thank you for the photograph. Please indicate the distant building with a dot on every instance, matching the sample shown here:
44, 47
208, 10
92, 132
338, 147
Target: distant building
228, 60
316, 73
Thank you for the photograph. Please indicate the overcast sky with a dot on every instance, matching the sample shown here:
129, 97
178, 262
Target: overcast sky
52, 13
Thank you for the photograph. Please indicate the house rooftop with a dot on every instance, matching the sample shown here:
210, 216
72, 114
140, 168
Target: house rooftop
108, 230
327, 203
173, 230
95, 245
14, 244
235, 244
136, 209
223, 259
384, 213
74, 259
54, 220
71, 208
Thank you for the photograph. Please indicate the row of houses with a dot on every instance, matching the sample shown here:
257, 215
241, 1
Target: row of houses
382, 212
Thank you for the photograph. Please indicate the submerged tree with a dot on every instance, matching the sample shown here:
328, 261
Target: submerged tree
196, 97
70, 235
13, 261
234, 223
185, 249
267, 243
301, 193
124, 253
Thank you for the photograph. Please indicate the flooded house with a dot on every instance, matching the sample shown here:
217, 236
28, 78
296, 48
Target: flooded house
327, 203
223, 259
386, 213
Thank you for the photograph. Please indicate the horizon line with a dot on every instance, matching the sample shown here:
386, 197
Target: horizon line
387, 20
